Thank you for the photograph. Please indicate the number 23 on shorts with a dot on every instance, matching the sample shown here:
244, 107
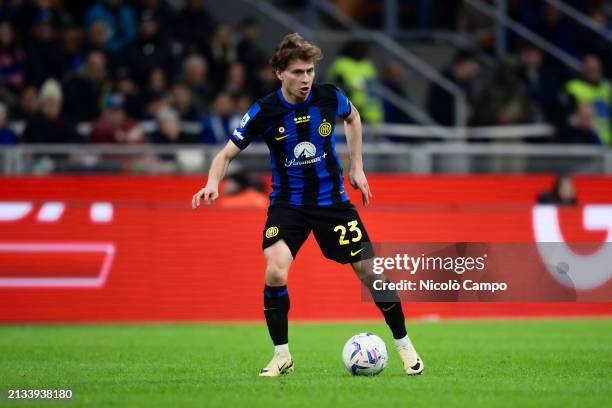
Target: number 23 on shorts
353, 229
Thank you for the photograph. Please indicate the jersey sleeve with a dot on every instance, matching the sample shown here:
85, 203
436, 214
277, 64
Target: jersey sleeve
344, 105
247, 129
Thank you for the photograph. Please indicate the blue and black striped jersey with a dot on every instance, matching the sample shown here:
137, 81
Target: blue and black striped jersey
306, 169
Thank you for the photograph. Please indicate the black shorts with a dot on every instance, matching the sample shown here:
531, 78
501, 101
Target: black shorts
337, 228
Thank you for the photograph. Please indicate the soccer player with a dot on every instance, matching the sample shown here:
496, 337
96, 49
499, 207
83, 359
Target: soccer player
297, 123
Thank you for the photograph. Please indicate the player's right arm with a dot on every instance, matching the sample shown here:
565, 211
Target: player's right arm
217, 171
249, 127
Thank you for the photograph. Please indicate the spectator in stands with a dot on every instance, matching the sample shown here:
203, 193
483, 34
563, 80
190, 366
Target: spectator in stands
194, 26
182, 100
152, 103
555, 27
157, 81
236, 79
119, 17
27, 14
240, 190
563, 192
12, 61
594, 89
27, 104
195, 75
49, 126
222, 120
45, 58
243, 103
395, 80
72, 46
165, 14
477, 25
222, 52
84, 89
115, 126
7, 136
541, 83
148, 51
265, 83
355, 72
503, 99
580, 127
169, 129
464, 71
249, 52
126, 87
98, 33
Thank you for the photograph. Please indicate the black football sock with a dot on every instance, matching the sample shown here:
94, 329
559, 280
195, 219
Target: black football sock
391, 307
276, 310
394, 316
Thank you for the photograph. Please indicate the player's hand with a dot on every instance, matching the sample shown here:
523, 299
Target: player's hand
359, 181
208, 194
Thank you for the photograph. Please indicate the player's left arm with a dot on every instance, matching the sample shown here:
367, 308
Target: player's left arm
357, 177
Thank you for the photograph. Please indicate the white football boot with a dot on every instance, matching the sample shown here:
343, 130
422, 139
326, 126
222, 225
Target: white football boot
280, 364
413, 365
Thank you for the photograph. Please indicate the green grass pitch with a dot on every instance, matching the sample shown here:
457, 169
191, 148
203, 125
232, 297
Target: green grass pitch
556, 363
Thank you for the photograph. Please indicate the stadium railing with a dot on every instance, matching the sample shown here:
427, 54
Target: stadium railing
387, 148
581, 19
500, 16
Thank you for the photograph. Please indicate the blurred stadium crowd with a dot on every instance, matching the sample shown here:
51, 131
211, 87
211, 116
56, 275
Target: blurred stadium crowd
74, 72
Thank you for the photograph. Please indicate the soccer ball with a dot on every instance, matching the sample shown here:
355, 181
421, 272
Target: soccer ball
365, 354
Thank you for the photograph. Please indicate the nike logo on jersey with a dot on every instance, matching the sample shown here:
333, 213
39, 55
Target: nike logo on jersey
353, 253
280, 137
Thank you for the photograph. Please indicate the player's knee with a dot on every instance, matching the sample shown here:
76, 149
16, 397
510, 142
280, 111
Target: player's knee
363, 270
276, 275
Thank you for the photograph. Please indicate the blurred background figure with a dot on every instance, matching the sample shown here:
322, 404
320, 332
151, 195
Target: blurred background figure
48, 125
181, 99
12, 63
45, 58
563, 192
119, 20
194, 26
84, 89
115, 126
580, 128
503, 99
594, 89
221, 52
241, 190
169, 129
236, 79
265, 82
149, 51
463, 71
394, 79
222, 120
541, 84
354, 72
7, 136
195, 75
27, 104
249, 52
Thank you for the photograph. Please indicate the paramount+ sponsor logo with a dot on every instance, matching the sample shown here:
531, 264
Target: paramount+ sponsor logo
304, 153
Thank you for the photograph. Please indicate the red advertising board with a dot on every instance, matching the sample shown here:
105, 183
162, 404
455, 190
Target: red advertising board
111, 248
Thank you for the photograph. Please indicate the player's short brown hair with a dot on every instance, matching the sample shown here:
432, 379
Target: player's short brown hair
293, 47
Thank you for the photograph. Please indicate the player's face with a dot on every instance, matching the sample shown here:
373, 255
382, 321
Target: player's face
297, 79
